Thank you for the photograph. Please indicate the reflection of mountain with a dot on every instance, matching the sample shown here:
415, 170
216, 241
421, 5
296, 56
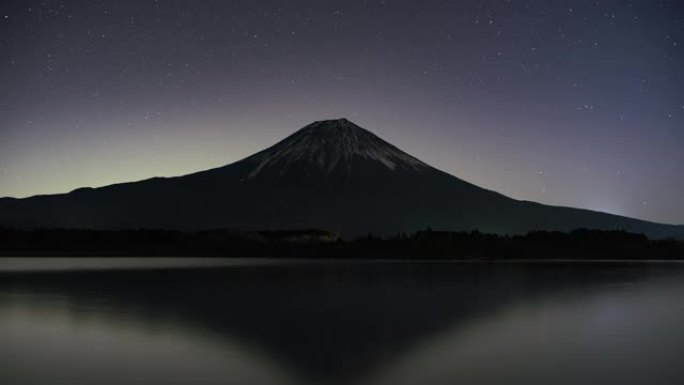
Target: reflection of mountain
52, 339
331, 175
617, 333
329, 323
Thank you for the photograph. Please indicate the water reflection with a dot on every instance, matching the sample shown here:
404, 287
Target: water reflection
618, 335
44, 342
377, 323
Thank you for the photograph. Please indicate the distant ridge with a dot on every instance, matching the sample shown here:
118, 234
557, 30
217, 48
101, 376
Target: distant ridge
331, 175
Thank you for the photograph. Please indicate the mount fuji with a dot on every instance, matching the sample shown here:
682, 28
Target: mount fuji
331, 175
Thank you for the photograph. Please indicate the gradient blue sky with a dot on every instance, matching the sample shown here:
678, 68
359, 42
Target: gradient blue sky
577, 103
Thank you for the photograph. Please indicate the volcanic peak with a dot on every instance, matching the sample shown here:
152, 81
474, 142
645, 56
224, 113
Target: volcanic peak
328, 144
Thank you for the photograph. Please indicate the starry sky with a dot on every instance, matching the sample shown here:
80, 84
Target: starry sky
575, 103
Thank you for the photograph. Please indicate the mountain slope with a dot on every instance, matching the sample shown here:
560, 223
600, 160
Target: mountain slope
332, 175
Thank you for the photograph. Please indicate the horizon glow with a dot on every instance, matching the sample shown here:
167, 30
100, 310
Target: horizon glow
563, 103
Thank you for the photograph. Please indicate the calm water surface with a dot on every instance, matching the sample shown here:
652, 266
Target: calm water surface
213, 321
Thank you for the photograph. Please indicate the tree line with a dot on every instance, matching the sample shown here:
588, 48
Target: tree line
311, 243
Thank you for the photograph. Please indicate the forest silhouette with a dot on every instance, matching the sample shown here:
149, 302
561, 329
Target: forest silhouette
580, 244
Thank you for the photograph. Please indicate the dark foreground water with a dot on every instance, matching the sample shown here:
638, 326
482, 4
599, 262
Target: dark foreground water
152, 321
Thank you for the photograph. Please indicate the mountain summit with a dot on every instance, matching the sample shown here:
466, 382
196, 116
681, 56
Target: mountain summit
331, 146
332, 175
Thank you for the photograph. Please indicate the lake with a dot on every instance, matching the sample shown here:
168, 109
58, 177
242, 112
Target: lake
222, 321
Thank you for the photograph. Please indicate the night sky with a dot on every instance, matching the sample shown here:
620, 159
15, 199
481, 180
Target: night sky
577, 103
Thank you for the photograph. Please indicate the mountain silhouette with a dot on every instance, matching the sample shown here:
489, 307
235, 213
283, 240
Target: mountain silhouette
331, 175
